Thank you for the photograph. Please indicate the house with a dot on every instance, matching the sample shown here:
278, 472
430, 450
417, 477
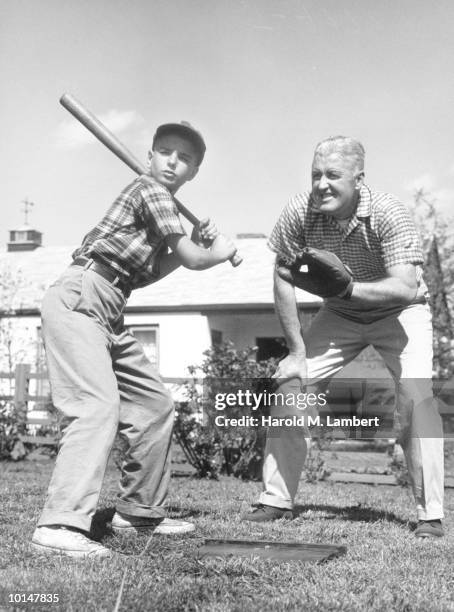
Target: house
176, 319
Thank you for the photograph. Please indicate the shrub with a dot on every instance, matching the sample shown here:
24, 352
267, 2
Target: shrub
12, 424
399, 469
315, 468
210, 449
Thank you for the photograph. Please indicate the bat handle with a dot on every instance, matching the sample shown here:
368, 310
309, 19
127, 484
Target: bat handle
235, 260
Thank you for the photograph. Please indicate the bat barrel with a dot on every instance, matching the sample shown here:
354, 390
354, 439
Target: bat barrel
100, 131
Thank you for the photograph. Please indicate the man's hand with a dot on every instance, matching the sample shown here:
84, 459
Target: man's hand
326, 275
292, 366
204, 233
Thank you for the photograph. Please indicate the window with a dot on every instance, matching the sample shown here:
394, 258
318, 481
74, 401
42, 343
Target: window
216, 337
270, 347
147, 335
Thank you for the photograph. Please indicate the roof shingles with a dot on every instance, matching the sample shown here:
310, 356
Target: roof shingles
250, 283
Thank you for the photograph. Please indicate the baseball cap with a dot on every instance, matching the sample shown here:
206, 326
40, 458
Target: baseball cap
185, 129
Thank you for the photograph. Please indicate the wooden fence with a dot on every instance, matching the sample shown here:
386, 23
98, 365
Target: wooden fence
20, 380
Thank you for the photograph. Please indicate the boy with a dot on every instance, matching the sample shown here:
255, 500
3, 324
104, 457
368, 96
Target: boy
99, 375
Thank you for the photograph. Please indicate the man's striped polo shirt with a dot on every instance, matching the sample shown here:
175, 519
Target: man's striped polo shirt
379, 235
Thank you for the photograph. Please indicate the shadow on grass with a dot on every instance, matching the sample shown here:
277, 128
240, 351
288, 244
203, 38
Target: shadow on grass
357, 512
354, 513
175, 511
100, 525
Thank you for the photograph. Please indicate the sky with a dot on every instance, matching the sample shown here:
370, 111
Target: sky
263, 80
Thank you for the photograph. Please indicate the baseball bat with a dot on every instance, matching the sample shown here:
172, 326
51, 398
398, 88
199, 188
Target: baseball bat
100, 131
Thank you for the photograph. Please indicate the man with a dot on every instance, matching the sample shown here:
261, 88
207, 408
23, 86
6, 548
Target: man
383, 305
99, 375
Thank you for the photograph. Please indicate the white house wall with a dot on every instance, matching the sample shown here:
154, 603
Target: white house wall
19, 344
244, 329
182, 338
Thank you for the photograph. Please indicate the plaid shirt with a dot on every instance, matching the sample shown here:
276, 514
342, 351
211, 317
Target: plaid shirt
131, 236
380, 234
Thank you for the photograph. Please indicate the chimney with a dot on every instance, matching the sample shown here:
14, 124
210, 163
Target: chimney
24, 238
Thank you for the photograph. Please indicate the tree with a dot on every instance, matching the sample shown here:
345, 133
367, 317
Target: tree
12, 422
11, 283
438, 245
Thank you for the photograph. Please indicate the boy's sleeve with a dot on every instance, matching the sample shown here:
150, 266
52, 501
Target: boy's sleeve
161, 210
287, 238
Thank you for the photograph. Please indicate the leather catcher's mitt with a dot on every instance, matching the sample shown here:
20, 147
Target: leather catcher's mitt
327, 276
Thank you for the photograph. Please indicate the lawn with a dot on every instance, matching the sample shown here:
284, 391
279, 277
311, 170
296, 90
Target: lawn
385, 567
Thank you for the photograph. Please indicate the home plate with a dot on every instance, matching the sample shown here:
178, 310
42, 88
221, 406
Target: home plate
284, 551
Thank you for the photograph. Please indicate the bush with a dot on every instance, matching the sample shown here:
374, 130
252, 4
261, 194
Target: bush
12, 424
212, 450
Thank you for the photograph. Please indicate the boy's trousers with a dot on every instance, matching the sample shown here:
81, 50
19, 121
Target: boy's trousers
102, 382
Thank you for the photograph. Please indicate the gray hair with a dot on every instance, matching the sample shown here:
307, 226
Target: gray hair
348, 147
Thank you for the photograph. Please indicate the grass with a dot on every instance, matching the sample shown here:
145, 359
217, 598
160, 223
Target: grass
385, 568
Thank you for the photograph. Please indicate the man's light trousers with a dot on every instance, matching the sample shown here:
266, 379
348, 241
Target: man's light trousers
405, 343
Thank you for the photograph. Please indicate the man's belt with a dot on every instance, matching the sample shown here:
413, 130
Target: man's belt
105, 271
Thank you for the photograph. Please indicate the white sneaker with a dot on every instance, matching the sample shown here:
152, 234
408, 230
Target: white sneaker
67, 541
124, 523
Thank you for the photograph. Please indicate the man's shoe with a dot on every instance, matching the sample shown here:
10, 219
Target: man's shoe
62, 540
124, 523
429, 529
263, 513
